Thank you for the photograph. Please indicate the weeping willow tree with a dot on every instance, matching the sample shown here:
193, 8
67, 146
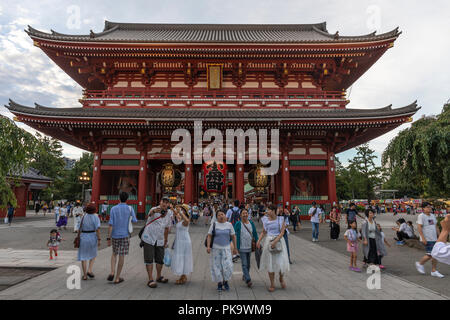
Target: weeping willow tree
17, 148
417, 159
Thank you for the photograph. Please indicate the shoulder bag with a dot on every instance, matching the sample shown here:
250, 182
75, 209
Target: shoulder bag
212, 236
130, 223
76, 241
278, 247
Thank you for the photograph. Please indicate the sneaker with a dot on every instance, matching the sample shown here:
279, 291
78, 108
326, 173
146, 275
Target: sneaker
420, 268
226, 286
382, 267
350, 268
437, 274
219, 287
357, 269
400, 243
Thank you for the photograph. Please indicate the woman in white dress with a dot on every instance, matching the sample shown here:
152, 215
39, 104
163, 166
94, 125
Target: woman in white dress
182, 264
274, 258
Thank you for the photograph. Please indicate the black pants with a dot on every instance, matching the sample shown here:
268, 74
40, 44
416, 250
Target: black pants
294, 223
10, 218
335, 230
373, 252
402, 235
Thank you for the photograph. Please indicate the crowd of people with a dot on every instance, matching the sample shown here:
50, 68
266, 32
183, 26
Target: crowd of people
232, 236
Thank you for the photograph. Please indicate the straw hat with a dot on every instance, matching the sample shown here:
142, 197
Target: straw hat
185, 207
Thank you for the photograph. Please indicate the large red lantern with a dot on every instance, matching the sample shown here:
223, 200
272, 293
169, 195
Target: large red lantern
214, 177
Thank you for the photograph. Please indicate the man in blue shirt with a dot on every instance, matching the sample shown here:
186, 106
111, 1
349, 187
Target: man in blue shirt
352, 213
119, 220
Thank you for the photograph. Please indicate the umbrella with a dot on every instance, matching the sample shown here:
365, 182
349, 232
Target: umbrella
258, 253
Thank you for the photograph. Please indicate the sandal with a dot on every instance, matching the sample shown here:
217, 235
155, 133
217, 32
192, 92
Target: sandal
85, 278
110, 277
120, 280
162, 280
90, 275
271, 289
152, 284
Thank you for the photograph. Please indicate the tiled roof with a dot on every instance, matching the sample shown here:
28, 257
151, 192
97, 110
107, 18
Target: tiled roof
32, 174
155, 114
212, 33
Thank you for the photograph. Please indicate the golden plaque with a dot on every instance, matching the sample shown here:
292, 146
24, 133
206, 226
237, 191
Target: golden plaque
214, 76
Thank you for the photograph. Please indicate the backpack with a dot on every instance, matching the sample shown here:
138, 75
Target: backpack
235, 216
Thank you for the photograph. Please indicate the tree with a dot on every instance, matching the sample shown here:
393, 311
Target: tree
17, 148
72, 187
343, 182
417, 158
363, 171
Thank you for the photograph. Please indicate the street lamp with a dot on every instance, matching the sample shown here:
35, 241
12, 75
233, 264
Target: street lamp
84, 179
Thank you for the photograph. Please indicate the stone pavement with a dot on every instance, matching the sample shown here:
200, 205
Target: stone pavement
317, 273
35, 258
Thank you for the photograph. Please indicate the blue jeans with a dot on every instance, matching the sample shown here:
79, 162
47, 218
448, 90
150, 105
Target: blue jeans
245, 261
315, 230
285, 236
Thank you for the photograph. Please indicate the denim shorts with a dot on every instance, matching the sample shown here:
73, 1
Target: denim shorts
429, 247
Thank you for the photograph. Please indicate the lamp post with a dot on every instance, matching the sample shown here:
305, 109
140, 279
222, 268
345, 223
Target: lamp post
83, 179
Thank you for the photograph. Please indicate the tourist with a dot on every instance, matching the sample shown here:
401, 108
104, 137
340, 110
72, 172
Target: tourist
351, 213
372, 240
335, 224
182, 262
78, 214
323, 215
118, 235
104, 211
294, 217
89, 232
221, 263
285, 214
57, 207
315, 213
45, 208
206, 213
53, 243
10, 213
69, 208
155, 240
411, 226
429, 233
195, 213
261, 211
274, 258
403, 231
234, 214
441, 250
37, 207
352, 236
62, 220
246, 238
385, 242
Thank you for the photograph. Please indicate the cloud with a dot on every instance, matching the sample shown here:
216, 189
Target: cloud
416, 68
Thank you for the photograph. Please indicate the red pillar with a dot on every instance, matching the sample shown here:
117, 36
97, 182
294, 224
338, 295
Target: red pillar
188, 183
285, 183
331, 175
240, 182
142, 185
152, 191
96, 176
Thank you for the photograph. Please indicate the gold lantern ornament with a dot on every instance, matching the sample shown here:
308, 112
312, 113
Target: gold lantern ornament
257, 179
169, 177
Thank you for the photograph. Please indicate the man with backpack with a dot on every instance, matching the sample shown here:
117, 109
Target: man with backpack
233, 216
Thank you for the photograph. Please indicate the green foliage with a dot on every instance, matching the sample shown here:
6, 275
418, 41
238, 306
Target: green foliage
358, 180
72, 188
17, 148
417, 158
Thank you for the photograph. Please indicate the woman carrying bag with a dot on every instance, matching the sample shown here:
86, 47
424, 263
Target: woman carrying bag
246, 238
274, 258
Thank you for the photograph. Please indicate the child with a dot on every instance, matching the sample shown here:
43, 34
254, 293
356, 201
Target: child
410, 224
383, 240
53, 242
353, 236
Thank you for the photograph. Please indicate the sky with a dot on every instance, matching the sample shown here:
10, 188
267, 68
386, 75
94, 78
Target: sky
416, 68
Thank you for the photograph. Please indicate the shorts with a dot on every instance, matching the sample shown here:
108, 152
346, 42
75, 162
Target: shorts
104, 214
153, 253
121, 246
429, 247
195, 216
55, 248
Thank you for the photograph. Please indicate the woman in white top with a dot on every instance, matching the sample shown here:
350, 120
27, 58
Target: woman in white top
441, 250
274, 258
182, 264
77, 214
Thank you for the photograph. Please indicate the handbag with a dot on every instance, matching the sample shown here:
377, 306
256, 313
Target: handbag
76, 241
130, 224
278, 247
212, 236
6, 220
253, 239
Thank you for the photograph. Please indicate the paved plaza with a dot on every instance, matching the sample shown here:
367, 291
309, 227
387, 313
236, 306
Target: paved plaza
317, 273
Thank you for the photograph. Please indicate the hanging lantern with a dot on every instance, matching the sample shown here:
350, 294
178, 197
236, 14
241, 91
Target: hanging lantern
214, 177
169, 177
257, 179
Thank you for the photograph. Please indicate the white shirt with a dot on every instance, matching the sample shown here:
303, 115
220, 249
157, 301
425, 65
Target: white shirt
63, 212
428, 226
104, 208
315, 218
154, 232
78, 211
441, 252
